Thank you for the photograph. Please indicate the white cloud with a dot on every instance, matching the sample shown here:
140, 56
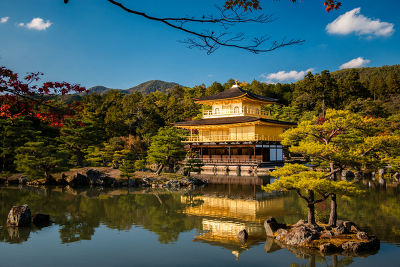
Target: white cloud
36, 24
280, 76
4, 19
355, 63
354, 22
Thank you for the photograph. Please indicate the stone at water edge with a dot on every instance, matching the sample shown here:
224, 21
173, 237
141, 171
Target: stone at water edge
41, 220
243, 236
271, 226
281, 234
302, 234
356, 247
329, 248
78, 179
362, 236
326, 235
99, 178
19, 216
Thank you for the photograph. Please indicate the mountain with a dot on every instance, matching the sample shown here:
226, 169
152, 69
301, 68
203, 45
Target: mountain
145, 88
152, 86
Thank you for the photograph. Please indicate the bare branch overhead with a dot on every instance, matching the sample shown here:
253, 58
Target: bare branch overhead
210, 40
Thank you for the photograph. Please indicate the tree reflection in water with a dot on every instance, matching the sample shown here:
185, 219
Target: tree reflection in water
216, 213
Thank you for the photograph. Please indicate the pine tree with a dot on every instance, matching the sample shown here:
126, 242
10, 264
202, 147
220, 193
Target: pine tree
336, 142
166, 148
14, 133
312, 186
40, 158
192, 164
127, 168
76, 136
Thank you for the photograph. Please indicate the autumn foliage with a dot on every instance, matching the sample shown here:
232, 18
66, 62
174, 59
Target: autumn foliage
27, 97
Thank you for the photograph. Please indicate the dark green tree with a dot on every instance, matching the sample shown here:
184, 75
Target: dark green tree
127, 169
76, 136
14, 133
192, 164
214, 88
166, 148
40, 158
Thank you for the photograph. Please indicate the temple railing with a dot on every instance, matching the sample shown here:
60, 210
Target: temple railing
233, 113
230, 138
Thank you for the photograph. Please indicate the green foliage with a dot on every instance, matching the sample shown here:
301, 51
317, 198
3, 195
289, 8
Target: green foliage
40, 158
140, 164
192, 164
76, 136
283, 113
344, 140
127, 168
214, 89
95, 157
14, 133
166, 147
299, 177
90, 138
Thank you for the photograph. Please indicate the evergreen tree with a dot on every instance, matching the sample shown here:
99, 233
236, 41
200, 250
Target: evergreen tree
14, 133
140, 164
166, 148
40, 158
214, 88
76, 136
127, 169
335, 143
192, 164
314, 183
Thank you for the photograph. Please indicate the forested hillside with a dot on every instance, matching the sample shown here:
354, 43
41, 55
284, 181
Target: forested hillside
152, 86
112, 125
145, 88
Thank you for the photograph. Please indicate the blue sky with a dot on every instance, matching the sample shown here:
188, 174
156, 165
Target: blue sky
93, 42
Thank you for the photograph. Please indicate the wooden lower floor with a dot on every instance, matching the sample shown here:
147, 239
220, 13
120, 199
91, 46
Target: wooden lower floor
245, 153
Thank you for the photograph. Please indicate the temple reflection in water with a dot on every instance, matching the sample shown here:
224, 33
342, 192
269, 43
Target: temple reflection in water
224, 215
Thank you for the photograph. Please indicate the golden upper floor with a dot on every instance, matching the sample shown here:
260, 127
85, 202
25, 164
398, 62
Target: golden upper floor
235, 115
235, 102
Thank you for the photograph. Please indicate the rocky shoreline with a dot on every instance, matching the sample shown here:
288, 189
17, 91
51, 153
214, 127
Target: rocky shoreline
346, 238
95, 178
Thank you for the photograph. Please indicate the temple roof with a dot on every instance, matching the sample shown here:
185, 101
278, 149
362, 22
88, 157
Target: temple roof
229, 120
234, 92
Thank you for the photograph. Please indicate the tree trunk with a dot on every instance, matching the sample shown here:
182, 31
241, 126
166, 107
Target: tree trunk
159, 169
333, 213
47, 176
311, 207
79, 158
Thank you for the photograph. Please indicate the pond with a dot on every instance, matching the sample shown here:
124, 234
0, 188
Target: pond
120, 227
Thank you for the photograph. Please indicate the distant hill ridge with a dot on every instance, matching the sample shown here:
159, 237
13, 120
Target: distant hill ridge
369, 73
145, 88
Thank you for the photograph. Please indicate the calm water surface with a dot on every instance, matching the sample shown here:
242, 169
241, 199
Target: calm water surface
102, 227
